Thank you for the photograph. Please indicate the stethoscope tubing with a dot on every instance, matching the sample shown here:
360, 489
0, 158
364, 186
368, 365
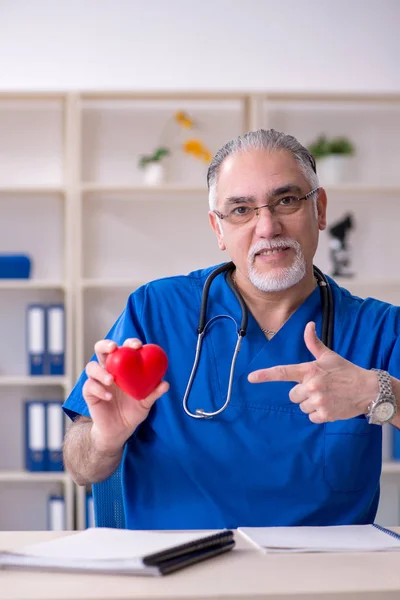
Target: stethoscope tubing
326, 336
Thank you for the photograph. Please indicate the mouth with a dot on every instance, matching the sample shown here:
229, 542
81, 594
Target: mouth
273, 253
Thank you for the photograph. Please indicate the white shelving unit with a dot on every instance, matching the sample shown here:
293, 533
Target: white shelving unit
72, 163
32, 285
124, 284
128, 191
36, 209
390, 468
121, 217
28, 380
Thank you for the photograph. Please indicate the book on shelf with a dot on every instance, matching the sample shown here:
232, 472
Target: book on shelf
15, 266
35, 435
395, 443
55, 339
45, 339
55, 430
387, 443
89, 510
44, 434
121, 551
56, 513
36, 338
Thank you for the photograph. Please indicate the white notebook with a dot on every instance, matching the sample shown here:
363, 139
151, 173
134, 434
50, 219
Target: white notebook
121, 551
340, 538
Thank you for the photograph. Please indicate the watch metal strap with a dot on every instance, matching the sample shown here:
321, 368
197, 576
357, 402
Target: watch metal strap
385, 392
385, 383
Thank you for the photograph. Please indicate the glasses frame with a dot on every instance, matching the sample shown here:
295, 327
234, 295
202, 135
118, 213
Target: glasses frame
271, 206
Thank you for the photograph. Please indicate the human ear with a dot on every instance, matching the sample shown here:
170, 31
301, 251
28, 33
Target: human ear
215, 223
322, 201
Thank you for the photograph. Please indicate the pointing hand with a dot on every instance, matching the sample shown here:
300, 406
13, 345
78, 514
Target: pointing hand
329, 388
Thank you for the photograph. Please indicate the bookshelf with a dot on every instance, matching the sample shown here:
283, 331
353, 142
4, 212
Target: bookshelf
27, 380
32, 285
35, 204
391, 468
68, 163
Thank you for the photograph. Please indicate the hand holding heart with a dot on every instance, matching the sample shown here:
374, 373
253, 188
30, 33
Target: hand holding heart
329, 388
121, 389
137, 371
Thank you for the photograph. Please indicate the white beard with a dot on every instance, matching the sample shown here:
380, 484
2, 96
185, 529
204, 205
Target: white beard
279, 279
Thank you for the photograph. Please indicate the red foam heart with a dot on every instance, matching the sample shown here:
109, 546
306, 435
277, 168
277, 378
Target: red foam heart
137, 372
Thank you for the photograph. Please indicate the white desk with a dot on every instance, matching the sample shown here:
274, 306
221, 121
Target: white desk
242, 574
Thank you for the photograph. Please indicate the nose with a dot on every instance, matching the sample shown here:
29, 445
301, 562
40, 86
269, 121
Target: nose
268, 224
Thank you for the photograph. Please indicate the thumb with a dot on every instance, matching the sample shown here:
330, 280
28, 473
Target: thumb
312, 341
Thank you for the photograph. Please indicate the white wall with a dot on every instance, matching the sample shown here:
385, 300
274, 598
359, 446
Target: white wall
215, 44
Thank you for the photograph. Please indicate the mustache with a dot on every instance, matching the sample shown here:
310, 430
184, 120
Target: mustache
275, 244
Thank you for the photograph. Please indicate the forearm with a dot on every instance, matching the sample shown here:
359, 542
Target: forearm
85, 462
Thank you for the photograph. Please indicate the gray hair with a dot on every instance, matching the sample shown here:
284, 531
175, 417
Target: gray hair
262, 139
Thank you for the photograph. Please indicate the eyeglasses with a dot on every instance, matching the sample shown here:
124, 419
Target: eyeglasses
284, 206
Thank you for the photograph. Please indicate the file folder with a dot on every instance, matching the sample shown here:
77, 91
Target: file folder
396, 443
387, 443
15, 266
55, 429
36, 338
35, 435
56, 513
55, 339
90, 522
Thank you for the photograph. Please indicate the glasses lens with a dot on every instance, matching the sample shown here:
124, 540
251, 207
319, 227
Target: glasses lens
287, 205
240, 214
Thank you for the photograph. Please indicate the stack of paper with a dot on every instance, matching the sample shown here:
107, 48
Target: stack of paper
121, 551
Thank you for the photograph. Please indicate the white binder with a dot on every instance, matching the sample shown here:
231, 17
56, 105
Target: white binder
387, 443
56, 513
55, 339
36, 338
35, 435
90, 520
55, 430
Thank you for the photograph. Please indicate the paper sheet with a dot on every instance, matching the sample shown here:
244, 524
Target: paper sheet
341, 538
109, 544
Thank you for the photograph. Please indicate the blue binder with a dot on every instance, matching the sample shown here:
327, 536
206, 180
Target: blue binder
56, 513
36, 338
55, 346
55, 430
387, 442
15, 266
396, 443
89, 516
35, 435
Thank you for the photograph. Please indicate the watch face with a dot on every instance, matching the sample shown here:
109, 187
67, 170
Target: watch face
384, 411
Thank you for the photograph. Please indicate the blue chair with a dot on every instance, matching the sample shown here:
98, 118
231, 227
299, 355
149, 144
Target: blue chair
108, 502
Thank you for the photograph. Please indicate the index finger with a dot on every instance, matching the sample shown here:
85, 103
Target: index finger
280, 373
102, 349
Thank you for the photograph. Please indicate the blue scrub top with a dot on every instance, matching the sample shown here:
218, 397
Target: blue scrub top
261, 462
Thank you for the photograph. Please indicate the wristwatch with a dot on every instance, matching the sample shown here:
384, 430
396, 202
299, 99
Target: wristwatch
384, 407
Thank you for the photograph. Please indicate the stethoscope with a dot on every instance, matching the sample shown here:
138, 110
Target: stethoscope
326, 336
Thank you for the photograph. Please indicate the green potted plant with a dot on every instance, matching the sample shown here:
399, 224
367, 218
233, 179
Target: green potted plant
320, 147
153, 166
332, 158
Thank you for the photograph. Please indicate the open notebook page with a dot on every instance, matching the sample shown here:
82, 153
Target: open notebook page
340, 538
109, 544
